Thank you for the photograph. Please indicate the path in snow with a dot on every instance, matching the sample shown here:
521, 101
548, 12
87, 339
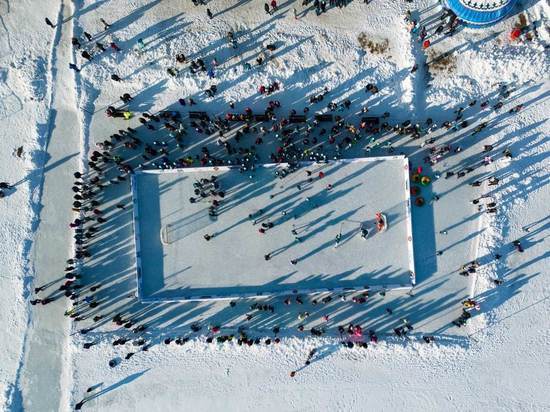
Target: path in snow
41, 382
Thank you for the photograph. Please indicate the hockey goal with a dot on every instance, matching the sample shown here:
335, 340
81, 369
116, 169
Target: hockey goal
167, 235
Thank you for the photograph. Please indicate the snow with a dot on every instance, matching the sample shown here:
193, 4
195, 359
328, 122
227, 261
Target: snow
500, 360
25, 101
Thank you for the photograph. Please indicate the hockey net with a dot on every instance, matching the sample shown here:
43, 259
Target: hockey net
167, 235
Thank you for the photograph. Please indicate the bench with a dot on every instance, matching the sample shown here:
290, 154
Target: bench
297, 118
198, 115
371, 123
323, 117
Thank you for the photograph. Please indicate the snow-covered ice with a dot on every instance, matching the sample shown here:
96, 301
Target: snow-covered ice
307, 214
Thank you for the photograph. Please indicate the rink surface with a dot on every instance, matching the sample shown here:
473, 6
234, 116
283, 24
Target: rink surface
176, 262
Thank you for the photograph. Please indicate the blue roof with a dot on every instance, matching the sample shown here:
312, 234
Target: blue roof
479, 16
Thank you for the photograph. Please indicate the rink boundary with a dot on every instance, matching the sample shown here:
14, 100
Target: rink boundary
286, 292
278, 293
136, 237
408, 214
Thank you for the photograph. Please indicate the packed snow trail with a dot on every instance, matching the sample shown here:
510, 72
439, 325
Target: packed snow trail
41, 381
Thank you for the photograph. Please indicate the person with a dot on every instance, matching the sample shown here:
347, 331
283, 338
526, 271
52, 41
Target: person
209, 14
493, 181
266, 8
74, 67
479, 128
76, 43
470, 304
126, 97
39, 288
516, 109
86, 55
515, 34
115, 78
49, 23
517, 245
507, 153
379, 222
88, 36
114, 46
273, 6
105, 24
310, 356
141, 44
423, 33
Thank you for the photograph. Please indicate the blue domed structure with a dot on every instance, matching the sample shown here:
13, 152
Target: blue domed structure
481, 12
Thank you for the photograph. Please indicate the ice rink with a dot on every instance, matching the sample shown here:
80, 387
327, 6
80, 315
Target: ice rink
307, 210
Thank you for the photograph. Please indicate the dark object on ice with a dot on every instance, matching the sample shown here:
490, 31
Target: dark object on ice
371, 88
324, 117
372, 124
198, 115
428, 339
297, 118
518, 246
